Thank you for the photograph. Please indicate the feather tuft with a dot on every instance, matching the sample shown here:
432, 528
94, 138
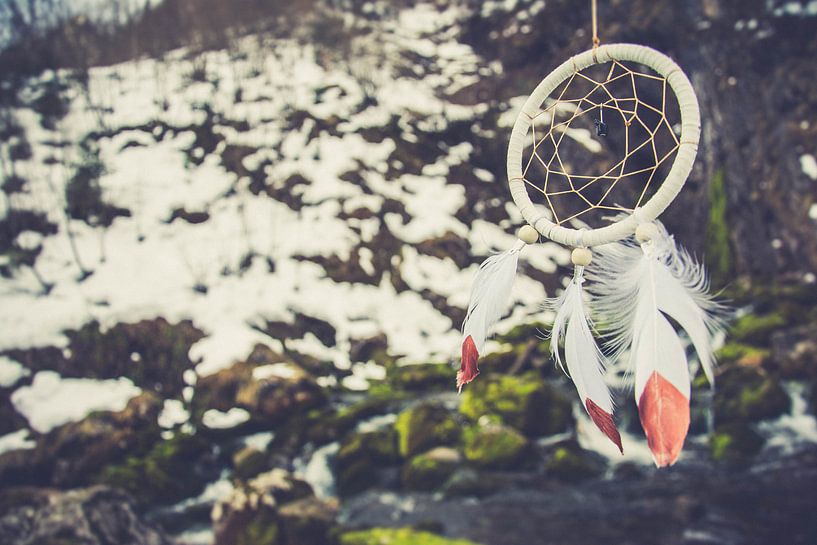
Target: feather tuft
489, 301
583, 359
637, 288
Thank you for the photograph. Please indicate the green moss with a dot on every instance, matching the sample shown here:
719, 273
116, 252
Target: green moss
753, 329
744, 354
398, 536
430, 470
495, 447
748, 394
734, 444
569, 462
164, 475
523, 402
424, 426
718, 252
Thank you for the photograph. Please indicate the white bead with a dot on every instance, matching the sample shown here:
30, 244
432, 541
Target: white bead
646, 232
581, 257
527, 234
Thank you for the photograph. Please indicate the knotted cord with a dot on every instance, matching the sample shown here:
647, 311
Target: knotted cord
649, 139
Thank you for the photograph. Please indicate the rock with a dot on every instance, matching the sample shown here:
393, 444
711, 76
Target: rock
748, 394
425, 425
91, 516
169, 472
742, 354
734, 444
795, 352
72, 454
271, 392
430, 470
757, 329
524, 402
496, 447
398, 536
250, 516
281, 485
249, 462
359, 457
308, 521
569, 462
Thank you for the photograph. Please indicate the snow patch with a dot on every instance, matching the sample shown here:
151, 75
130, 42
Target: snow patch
52, 401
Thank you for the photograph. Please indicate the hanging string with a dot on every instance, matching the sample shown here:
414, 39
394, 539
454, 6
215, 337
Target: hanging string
594, 10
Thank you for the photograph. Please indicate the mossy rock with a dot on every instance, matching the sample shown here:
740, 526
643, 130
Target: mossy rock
249, 527
569, 462
325, 426
735, 444
398, 536
757, 329
249, 462
166, 474
424, 426
496, 447
524, 402
360, 455
741, 354
431, 469
422, 378
748, 394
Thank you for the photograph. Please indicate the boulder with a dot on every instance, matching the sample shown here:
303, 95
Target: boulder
270, 392
426, 425
567, 461
72, 454
526, 403
748, 394
496, 447
308, 521
170, 471
735, 444
430, 470
91, 516
250, 515
360, 456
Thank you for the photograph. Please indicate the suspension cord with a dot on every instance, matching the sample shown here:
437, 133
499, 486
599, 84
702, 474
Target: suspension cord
594, 13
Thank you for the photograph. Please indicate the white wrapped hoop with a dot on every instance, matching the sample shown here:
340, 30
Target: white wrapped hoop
672, 184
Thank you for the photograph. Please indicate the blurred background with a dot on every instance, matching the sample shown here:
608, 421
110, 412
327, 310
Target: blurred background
236, 246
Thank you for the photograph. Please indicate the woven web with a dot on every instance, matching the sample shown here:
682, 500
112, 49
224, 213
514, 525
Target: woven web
575, 169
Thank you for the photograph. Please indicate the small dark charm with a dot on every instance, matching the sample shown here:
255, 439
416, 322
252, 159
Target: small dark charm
601, 128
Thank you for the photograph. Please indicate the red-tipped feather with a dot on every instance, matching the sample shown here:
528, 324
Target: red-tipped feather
468, 368
605, 423
664, 414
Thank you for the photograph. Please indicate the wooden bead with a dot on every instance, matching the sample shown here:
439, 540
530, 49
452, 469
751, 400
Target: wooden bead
646, 232
581, 257
527, 234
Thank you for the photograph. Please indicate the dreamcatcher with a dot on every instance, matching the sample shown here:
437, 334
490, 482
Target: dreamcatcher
601, 147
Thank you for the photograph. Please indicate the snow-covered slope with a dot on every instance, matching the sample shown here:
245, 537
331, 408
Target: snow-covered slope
312, 182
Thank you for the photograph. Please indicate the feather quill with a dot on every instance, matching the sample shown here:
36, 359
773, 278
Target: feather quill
489, 301
636, 289
584, 360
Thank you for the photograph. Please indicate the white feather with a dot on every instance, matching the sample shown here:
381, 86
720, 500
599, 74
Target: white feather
624, 274
585, 362
490, 295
